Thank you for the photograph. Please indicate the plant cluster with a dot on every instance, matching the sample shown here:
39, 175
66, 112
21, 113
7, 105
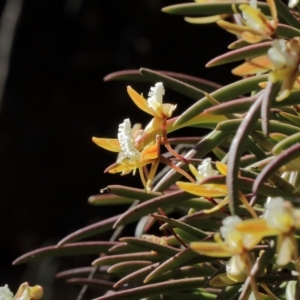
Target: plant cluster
233, 192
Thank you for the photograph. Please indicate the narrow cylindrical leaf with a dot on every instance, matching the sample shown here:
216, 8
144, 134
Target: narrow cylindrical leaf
66, 250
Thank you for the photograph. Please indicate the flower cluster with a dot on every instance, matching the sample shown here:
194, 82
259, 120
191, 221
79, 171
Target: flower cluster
139, 147
25, 292
280, 219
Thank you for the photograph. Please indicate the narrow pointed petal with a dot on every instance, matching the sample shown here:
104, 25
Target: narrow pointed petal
201, 190
217, 207
108, 144
256, 65
139, 100
209, 249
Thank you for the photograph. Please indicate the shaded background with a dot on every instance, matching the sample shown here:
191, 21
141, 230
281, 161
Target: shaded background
55, 100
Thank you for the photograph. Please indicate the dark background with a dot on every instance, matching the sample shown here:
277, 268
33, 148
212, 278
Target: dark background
55, 100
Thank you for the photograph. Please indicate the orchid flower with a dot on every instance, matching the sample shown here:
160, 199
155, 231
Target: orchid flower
256, 25
25, 292
280, 219
130, 158
134, 154
211, 190
235, 245
285, 57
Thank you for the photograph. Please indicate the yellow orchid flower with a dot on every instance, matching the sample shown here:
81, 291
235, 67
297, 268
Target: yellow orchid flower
130, 158
211, 190
285, 57
280, 219
257, 26
153, 105
235, 245
25, 292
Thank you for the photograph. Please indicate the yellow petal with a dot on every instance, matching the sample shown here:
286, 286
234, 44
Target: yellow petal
201, 190
221, 280
285, 249
108, 144
256, 226
209, 249
256, 65
251, 38
217, 207
232, 28
206, 20
150, 153
222, 168
139, 100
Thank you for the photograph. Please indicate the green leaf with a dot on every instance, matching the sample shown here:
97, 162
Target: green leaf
133, 193
109, 199
82, 248
180, 259
113, 259
84, 271
218, 7
286, 143
196, 233
282, 159
90, 230
150, 246
135, 75
275, 126
285, 13
184, 272
155, 289
125, 267
122, 248
174, 84
144, 208
241, 53
97, 284
287, 32
223, 94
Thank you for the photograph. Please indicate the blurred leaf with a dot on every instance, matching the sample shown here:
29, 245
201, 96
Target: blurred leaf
290, 117
113, 259
184, 272
287, 32
196, 233
82, 248
155, 289
84, 271
97, 284
126, 267
282, 159
122, 248
136, 277
285, 13
275, 126
241, 53
286, 143
135, 75
150, 246
291, 289
174, 84
90, 230
223, 94
180, 259
133, 193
